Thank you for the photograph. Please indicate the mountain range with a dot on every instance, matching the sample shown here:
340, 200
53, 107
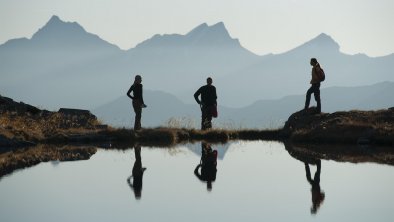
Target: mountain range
63, 65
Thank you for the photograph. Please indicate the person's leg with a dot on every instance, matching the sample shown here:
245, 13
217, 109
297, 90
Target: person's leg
206, 119
137, 123
308, 97
316, 93
203, 118
209, 118
138, 110
316, 178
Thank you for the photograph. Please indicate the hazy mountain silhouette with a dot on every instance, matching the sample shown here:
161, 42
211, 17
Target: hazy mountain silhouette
289, 73
62, 65
261, 114
60, 61
57, 36
177, 63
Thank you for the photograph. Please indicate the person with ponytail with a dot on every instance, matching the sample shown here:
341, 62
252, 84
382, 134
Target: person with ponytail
138, 101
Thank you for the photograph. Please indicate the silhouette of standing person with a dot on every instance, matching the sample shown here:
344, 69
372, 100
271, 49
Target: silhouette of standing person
137, 173
315, 88
138, 101
317, 194
207, 164
207, 103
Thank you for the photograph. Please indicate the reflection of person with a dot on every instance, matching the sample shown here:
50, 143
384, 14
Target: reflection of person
138, 172
207, 164
315, 88
207, 103
317, 194
138, 101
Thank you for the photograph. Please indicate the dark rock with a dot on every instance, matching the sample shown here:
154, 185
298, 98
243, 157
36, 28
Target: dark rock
76, 112
7, 144
356, 127
9, 105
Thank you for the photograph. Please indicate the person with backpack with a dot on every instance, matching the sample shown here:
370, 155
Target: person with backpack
317, 194
138, 101
207, 165
207, 103
317, 77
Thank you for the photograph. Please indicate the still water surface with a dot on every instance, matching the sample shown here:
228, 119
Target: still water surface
255, 181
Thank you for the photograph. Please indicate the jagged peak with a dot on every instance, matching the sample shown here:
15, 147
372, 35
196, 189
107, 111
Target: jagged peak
198, 29
218, 28
203, 34
219, 25
55, 24
55, 21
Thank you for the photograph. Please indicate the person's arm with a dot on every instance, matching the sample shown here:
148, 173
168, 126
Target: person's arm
129, 181
196, 94
198, 175
142, 98
315, 77
215, 96
128, 92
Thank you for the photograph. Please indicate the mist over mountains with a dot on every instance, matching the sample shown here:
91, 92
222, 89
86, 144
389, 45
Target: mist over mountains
62, 65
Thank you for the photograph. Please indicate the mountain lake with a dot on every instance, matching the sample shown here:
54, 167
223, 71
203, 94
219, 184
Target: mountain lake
249, 181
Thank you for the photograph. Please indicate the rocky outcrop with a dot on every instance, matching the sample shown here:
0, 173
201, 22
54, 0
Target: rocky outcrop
354, 127
9, 105
23, 124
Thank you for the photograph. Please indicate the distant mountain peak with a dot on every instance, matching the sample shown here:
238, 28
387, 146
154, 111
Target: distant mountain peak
218, 29
56, 27
216, 34
323, 37
201, 36
198, 29
54, 19
324, 40
320, 42
219, 25
57, 33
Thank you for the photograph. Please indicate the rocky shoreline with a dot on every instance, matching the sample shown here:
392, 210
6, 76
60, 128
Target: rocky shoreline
23, 125
29, 136
351, 127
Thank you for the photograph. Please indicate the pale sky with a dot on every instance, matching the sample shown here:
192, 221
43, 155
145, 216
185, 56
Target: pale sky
262, 26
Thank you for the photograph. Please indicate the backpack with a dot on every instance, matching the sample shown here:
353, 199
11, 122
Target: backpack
321, 75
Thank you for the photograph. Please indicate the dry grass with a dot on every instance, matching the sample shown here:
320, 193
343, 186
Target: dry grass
38, 128
162, 136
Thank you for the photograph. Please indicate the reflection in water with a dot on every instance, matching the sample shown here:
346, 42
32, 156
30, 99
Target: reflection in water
137, 173
207, 164
31, 156
308, 159
317, 194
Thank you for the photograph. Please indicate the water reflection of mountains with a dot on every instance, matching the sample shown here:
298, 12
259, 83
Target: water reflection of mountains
221, 148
